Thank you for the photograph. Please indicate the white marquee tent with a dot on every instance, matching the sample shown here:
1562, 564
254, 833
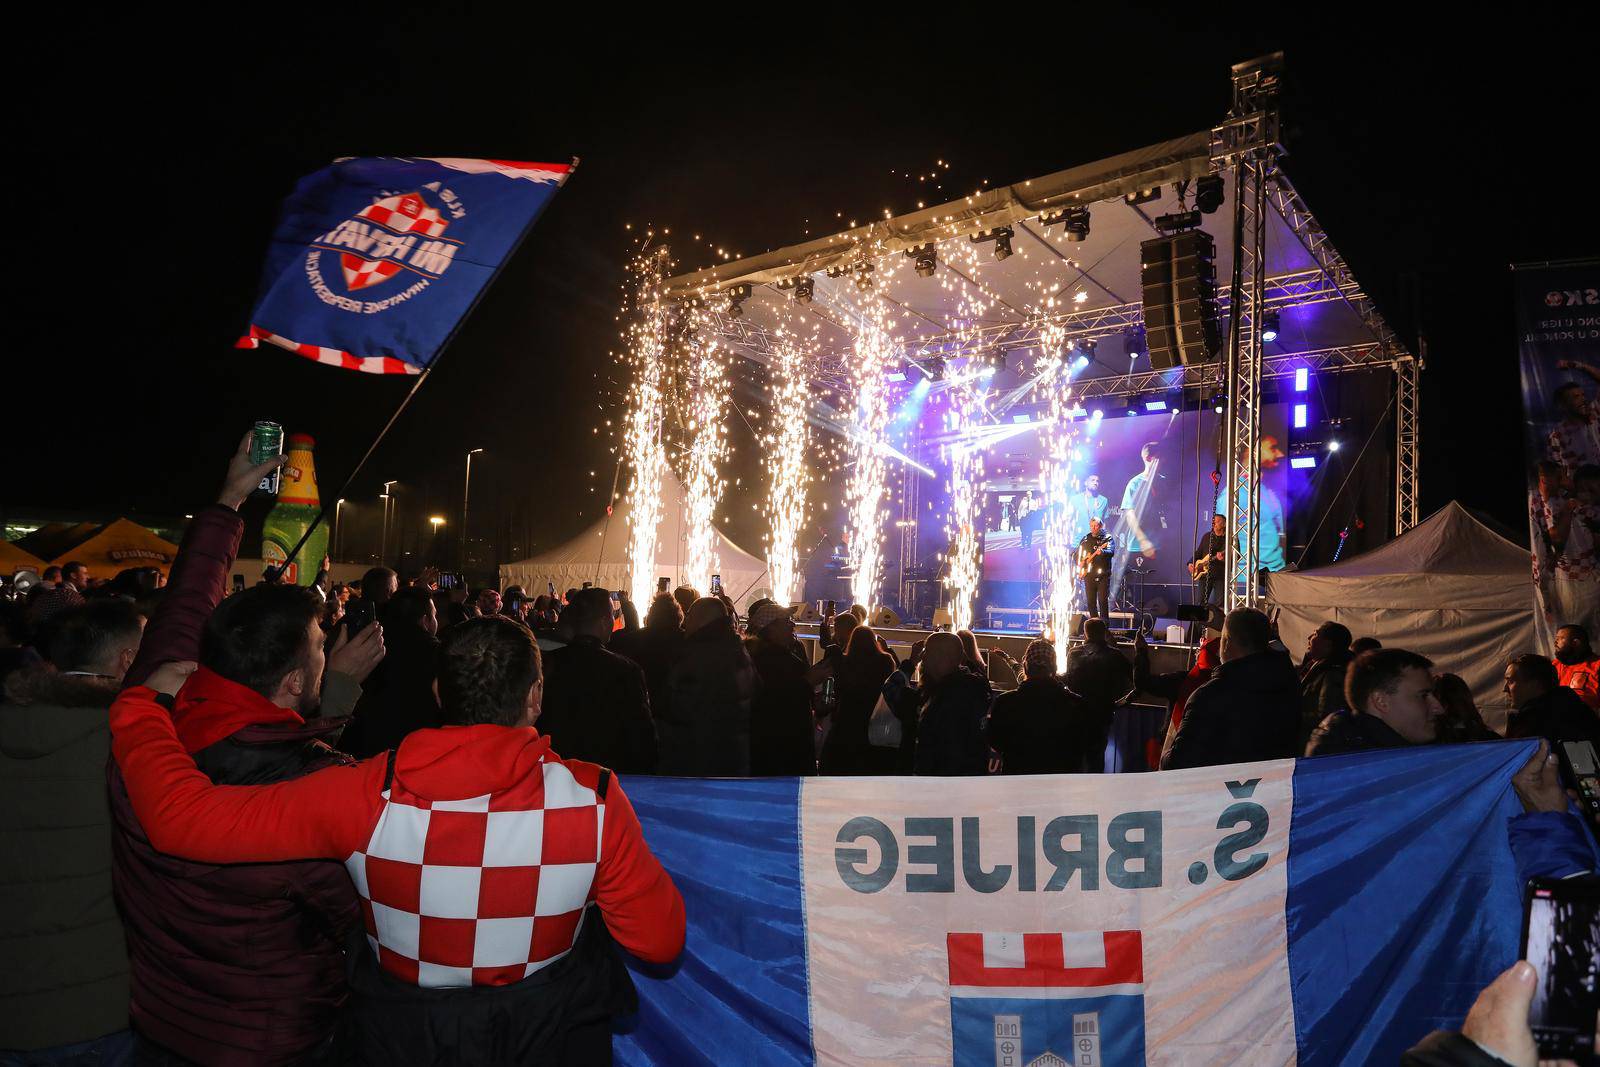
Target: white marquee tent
600, 555
1450, 588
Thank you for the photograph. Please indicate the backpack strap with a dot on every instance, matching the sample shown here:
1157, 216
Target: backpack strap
604, 783
388, 771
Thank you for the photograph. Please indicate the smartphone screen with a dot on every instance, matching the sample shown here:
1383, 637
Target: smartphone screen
238, 583
662, 585
1561, 938
716, 585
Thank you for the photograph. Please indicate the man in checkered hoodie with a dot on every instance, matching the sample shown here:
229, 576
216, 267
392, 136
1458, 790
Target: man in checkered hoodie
480, 858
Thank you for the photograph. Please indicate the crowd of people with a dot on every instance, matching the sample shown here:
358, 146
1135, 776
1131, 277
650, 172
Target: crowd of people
408, 866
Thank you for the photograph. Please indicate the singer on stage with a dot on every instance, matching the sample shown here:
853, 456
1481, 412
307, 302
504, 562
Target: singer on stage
1094, 566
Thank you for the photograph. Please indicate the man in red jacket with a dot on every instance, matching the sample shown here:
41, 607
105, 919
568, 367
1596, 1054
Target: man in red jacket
476, 853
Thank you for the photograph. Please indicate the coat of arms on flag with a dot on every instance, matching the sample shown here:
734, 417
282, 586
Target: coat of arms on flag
1043, 1000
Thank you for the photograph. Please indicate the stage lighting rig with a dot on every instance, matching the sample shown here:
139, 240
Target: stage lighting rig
1269, 327
737, 295
864, 277
1074, 220
934, 368
1208, 193
1087, 347
1143, 196
803, 289
1133, 342
1001, 236
924, 259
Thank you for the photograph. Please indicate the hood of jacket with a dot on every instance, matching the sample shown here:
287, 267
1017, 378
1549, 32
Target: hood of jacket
458, 762
209, 707
37, 721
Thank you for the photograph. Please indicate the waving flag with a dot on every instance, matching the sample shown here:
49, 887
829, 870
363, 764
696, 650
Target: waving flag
1327, 911
376, 261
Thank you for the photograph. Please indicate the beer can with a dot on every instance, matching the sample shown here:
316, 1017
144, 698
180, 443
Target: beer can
266, 441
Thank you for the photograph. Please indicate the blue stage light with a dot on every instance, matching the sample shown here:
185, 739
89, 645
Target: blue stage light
1269, 327
1302, 379
1303, 463
1300, 416
1155, 405
1080, 363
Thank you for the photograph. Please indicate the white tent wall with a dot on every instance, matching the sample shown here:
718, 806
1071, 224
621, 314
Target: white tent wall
600, 555
1450, 589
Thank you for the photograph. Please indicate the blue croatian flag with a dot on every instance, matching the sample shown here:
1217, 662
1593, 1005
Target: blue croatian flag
1312, 912
376, 261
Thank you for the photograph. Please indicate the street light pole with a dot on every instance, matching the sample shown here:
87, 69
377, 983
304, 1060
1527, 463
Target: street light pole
466, 495
388, 502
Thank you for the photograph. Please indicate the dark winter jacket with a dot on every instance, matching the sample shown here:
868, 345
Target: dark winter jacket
1104, 678
244, 963
397, 698
1350, 731
1042, 727
704, 729
239, 964
858, 684
596, 708
65, 978
1559, 715
1249, 711
782, 729
950, 727
1321, 693
655, 651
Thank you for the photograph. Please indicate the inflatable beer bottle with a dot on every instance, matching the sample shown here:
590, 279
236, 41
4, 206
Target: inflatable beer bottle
296, 509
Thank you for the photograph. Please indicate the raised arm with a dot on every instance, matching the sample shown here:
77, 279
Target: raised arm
323, 815
200, 572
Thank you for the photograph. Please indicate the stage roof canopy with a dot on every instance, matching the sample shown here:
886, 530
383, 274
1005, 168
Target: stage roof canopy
975, 304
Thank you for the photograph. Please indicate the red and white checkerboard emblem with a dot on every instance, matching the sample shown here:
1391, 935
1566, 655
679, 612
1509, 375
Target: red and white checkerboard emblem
482, 891
404, 214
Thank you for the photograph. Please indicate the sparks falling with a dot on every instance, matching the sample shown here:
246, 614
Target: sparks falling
875, 352
1054, 387
788, 453
966, 487
708, 411
645, 448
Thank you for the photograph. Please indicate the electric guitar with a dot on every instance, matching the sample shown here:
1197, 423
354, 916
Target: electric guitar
1199, 567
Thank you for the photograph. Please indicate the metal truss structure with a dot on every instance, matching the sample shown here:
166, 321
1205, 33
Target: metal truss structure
1408, 438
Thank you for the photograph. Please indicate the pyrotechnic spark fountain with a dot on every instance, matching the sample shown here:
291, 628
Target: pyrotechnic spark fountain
1054, 386
643, 433
707, 423
966, 483
787, 456
874, 353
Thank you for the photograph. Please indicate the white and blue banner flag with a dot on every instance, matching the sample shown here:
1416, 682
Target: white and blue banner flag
1327, 911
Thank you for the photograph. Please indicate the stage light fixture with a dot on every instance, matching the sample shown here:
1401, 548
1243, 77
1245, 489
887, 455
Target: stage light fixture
1089, 346
1080, 363
1143, 196
1302, 379
736, 298
1078, 412
1303, 463
1301, 416
1001, 236
1133, 407
1208, 193
803, 290
935, 368
1269, 327
1333, 446
1133, 341
1076, 220
864, 277
1155, 405
1218, 403
1177, 222
924, 259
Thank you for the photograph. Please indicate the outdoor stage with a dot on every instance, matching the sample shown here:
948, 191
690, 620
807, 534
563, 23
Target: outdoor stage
1122, 341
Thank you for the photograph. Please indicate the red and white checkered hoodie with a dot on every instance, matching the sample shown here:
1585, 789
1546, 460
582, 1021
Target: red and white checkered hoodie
475, 849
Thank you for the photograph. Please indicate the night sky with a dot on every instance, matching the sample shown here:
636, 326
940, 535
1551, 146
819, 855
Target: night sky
154, 169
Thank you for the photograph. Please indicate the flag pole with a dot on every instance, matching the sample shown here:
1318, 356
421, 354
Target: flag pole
274, 573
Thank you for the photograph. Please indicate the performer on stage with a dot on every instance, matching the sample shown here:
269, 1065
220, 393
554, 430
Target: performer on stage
1134, 499
1030, 518
1087, 504
1094, 567
1207, 565
1270, 536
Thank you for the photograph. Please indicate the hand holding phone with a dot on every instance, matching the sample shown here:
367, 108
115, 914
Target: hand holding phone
1561, 939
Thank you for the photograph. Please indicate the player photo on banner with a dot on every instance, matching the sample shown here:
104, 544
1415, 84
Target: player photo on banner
1558, 333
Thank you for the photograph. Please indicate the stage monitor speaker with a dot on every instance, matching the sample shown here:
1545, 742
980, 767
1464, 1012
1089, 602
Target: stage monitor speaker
942, 619
885, 617
806, 612
1178, 274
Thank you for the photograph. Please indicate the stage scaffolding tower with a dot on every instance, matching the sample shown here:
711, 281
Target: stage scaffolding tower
1408, 436
1247, 141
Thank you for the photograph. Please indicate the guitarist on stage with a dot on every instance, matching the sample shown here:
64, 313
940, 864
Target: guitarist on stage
1094, 567
1206, 566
